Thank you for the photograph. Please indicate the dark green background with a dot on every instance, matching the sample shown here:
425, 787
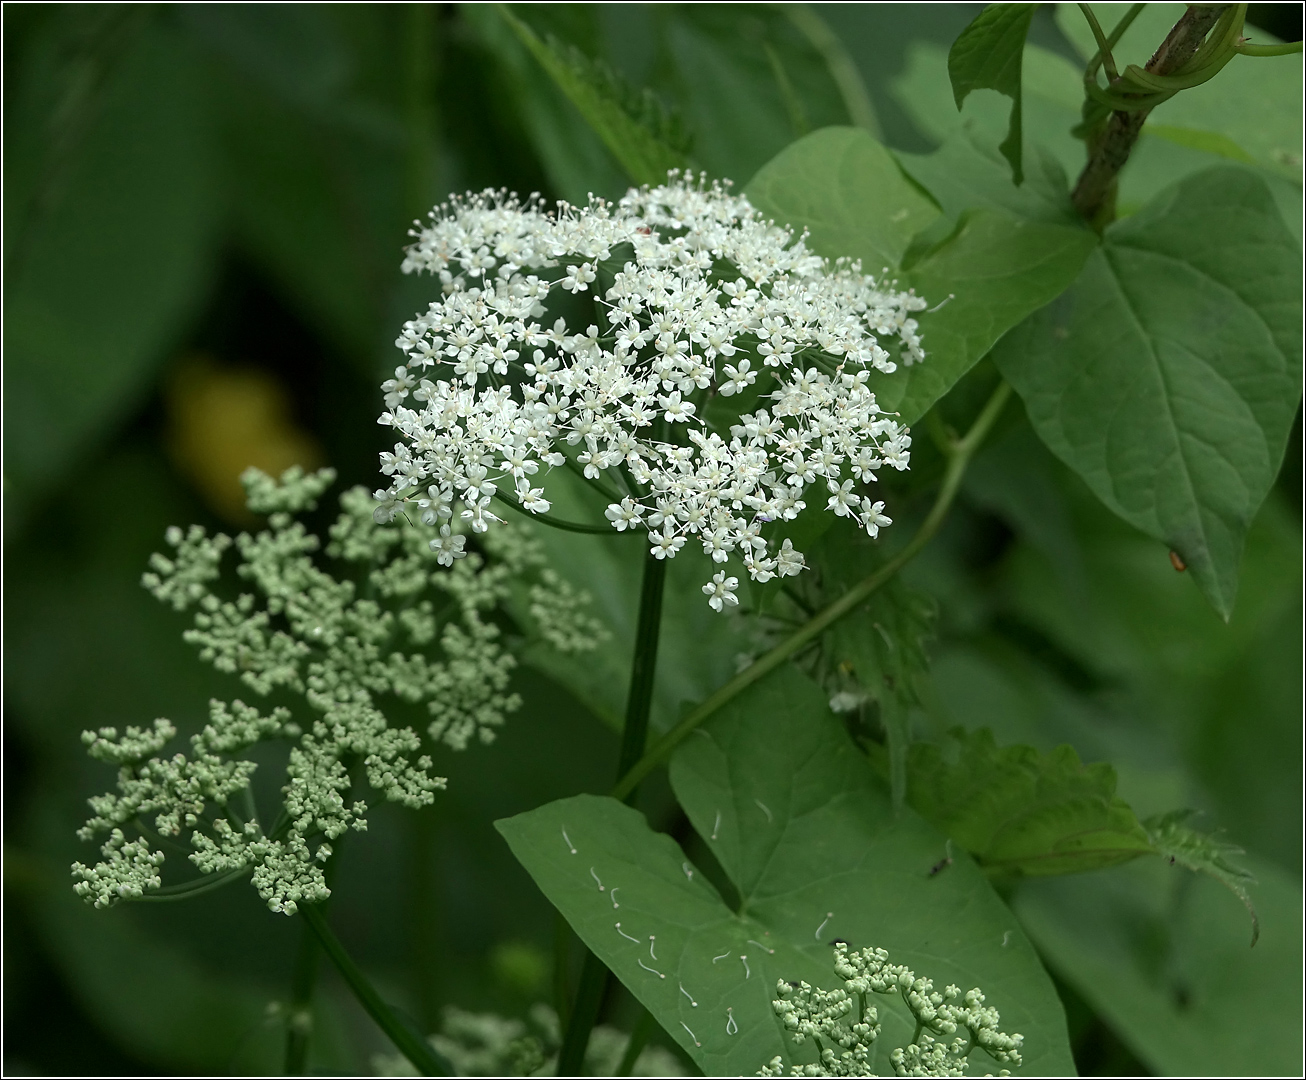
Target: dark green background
236, 182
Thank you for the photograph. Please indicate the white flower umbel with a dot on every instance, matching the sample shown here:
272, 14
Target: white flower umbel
694, 361
426, 632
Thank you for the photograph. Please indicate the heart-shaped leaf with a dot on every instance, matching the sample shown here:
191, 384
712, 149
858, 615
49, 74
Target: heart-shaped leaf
806, 833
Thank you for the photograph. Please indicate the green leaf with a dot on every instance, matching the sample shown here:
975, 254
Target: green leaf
790, 809
110, 260
965, 173
1021, 812
1206, 854
638, 130
882, 645
1169, 374
987, 56
997, 269
1162, 956
849, 192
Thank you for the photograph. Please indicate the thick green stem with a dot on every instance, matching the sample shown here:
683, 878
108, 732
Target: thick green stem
634, 738
639, 699
959, 457
584, 1014
1095, 191
638, 1040
299, 1020
416, 1049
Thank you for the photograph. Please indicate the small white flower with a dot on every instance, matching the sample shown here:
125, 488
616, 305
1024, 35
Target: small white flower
624, 515
843, 499
448, 547
721, 591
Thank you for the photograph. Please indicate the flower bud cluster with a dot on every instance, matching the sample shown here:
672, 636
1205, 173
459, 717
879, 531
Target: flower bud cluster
961, 1019
307, 632
609, 338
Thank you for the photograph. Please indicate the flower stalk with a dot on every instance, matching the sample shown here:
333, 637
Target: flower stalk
415, 1049
634, 739
959, 456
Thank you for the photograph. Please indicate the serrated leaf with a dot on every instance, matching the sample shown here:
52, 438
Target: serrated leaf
848, 192
1168, 375
640, 134
1021, 812
1206, 854
987, 56
793, 814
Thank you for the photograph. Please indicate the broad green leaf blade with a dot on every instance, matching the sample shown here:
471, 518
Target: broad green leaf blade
655, 896
640, 134
1206, 854
1162, 956
987, 56
882, 645
1169, 374
1021, 812
965, 173
848, 192
790, 808
996, 270
803, 828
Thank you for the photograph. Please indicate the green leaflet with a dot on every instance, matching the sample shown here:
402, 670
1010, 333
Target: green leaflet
1169, 374
638, 131
1206, 854
998, 269
795, 817
1162, 955
849, 191
1021, 812
987, 55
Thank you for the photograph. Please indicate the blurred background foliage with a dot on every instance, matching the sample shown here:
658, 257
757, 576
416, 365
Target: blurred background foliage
203, 212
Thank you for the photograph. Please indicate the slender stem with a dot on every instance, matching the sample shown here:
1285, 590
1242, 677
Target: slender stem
556, 523
639, 700
1103, 49
415, 1049
635, 1046
634, 738
562, 970
299, 1022
961, 453
1286, 49
840, 65
584, 1013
